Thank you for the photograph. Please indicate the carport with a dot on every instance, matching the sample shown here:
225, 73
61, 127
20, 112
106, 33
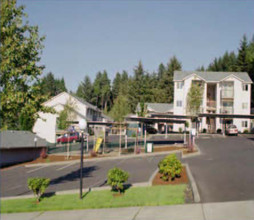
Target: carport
225, 117
145, 121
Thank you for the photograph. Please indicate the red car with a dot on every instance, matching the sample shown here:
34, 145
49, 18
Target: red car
71, 137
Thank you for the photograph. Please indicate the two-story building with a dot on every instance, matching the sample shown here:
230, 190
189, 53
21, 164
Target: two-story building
46, 126
223, 93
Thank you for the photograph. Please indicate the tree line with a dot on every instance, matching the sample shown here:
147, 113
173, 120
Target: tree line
126, 91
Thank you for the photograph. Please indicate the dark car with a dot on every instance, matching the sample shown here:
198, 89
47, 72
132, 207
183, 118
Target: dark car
151, 130
71, 138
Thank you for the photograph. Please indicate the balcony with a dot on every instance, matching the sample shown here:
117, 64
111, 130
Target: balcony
227, 94
227, 110
211, 104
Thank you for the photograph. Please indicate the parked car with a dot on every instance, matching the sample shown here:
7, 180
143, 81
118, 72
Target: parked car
71, 137
151, 130
231, 130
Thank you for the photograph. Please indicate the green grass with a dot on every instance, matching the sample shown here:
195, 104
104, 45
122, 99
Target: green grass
136, 196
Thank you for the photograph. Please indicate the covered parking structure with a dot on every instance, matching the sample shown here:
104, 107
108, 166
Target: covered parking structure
225, 117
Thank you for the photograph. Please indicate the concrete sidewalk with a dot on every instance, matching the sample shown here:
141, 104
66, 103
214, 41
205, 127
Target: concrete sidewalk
242, 210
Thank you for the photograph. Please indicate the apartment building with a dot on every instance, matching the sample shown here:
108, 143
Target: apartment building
223, 93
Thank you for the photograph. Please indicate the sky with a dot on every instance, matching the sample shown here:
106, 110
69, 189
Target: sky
87, 36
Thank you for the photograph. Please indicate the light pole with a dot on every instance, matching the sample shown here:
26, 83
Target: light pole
82, 126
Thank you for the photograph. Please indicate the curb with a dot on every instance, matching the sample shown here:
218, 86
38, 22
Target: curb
152, 177
193, 184
105, 158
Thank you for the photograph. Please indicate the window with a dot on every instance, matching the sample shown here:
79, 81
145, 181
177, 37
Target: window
244, 105
244, 124
179, 85
179, 103
245, 87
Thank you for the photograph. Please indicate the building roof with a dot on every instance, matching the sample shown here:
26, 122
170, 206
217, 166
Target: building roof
20, 139
211, 76
77, 98
158, 107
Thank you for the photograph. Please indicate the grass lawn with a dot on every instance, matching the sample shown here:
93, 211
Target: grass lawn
136, 196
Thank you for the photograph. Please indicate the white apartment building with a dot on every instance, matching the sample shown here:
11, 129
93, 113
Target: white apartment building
224, 93
46, 126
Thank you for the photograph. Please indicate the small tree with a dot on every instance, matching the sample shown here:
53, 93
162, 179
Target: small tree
116, 178
38, 186
194, 99
66, 115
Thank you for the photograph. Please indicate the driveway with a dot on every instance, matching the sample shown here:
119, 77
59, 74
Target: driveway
225, 169
66, 176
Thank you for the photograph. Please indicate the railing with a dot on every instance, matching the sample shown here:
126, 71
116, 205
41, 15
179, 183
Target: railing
227, 110
227, 94
211, 103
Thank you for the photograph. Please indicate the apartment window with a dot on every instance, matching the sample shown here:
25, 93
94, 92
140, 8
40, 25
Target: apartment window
179, 103
179, 85
244, 124
244, 105
245, 87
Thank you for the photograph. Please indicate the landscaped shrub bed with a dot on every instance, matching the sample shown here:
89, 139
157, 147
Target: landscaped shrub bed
170, 167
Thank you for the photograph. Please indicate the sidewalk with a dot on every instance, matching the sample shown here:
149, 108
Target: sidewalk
242, 210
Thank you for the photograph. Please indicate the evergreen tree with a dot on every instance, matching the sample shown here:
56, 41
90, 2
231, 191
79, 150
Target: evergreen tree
85, 89
105, 92
242, 62
20, 47
167, 80
116, 85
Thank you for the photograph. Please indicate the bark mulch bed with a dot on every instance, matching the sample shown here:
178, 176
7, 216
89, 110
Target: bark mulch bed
183, 179
186, 151
164, 148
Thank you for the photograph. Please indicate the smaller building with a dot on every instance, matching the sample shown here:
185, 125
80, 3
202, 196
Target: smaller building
47, 125
158, 108
19, 146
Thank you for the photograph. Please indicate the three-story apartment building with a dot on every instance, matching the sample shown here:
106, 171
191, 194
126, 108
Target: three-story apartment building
223, 93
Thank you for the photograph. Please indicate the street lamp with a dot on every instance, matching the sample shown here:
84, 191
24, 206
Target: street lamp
35, 141
82, 127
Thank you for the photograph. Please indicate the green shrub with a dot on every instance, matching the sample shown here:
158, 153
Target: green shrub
116, 178
133, 135
170, 167
38, 186
180, 130
218, 131
246, 131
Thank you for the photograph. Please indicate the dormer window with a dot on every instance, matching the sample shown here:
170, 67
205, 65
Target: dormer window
245, 87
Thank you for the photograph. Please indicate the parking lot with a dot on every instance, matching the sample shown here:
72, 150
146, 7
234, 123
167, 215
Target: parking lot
66, 176
225, 169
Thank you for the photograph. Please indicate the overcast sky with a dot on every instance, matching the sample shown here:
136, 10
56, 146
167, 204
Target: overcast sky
84, 37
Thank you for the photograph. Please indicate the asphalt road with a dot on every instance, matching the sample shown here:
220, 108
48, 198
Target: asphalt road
225, 169
66, 176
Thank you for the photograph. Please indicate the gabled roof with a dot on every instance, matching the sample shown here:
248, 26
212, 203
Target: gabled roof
212, 76
20, 139
77, 98
158, 107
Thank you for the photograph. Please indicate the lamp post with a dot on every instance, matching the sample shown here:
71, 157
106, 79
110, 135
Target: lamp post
82, 126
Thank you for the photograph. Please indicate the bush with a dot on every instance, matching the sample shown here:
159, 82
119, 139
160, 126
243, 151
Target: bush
116, 178
204, 130
218, 131
38, 186
170, 167
246, 131
180, 130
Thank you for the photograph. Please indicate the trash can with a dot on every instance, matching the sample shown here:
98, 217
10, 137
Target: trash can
149, 147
